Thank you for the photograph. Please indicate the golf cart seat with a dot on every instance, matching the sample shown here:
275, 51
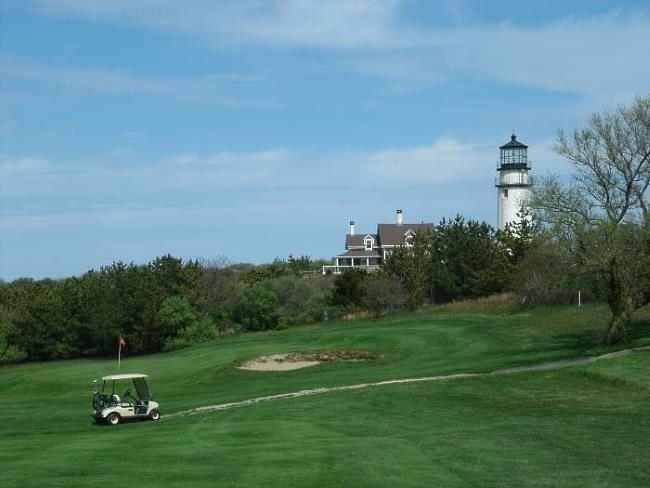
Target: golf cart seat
115, 399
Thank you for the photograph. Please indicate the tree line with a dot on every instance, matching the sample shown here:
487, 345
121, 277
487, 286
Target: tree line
588, 232
170, 303
162, 305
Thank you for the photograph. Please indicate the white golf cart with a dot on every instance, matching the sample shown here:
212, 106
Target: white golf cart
110, 408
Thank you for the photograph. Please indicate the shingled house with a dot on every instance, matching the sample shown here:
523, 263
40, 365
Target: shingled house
368, 251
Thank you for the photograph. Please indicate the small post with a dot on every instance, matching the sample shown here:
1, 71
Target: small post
579, 299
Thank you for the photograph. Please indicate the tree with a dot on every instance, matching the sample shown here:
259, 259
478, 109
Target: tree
348, 288
384, 294
257, 309
600, 216
410, 266
518, 237
9, 353
197, 332
175, 314
467, 261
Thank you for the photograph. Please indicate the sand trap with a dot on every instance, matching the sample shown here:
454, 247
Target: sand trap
298, 360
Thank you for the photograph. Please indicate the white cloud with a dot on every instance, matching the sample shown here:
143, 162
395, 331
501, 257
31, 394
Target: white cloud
445, 160
22, 166
600, 56
332, 23
182, 173
228, 158
112, 81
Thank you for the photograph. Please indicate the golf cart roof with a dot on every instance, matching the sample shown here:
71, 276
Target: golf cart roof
127, 376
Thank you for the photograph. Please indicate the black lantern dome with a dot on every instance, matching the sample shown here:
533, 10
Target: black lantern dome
514, 155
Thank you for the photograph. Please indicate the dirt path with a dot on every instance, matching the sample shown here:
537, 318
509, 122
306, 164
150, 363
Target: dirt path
502, 371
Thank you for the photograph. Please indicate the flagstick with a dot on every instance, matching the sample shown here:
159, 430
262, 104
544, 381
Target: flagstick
119, 355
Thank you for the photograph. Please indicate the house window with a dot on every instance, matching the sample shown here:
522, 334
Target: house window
368, 244
505, 193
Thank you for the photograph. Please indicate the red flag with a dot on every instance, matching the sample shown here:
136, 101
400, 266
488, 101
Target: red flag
121, 341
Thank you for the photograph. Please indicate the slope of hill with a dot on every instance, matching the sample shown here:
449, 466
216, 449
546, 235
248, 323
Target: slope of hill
583, 425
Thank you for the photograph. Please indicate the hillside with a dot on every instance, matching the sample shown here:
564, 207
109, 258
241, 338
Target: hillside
542, 427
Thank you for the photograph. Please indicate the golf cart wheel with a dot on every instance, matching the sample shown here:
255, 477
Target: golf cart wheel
113, 419
154, 414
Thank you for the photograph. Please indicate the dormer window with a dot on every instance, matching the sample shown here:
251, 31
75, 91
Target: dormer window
408, 238
368, 243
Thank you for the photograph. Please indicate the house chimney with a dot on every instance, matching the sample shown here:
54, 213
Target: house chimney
351, 227
399, 217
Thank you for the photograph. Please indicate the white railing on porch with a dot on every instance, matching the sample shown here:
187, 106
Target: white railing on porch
339, 269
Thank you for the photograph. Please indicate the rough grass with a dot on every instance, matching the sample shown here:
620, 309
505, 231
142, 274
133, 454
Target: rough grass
501, 301
582, 426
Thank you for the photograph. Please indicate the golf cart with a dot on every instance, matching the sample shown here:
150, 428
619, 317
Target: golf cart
110, 408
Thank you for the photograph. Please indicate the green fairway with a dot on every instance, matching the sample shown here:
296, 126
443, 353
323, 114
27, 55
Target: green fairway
583, 425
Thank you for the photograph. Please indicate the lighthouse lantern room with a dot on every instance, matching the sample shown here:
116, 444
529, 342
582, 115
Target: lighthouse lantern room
513, 183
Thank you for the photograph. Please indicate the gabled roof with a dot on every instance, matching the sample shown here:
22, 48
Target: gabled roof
393, 234
356, 240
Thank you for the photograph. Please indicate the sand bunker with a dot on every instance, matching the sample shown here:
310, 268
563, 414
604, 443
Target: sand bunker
297, 360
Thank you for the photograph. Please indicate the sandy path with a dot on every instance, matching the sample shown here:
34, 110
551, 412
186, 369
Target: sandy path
564, 363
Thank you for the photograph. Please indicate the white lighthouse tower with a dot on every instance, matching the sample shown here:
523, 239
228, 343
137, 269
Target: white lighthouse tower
513, 183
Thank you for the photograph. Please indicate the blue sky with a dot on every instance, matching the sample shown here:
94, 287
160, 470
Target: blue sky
254, 129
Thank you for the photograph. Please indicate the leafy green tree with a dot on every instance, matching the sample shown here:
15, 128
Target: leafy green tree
269, 271
257, 309
302, 299
298, 265
220, 288
467, 261
601, 215
518, 238
9, 353
40, 326
348, 288
175, 314
198, 332
384, 294
411, 267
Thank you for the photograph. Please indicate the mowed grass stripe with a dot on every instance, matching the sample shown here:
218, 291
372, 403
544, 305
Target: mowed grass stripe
545, 427
529, 429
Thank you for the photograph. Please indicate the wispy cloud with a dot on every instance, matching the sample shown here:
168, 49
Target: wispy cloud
599, 56
113, 81
588, 55
334, 23
21, 166
189, 173
210, 196
447, 159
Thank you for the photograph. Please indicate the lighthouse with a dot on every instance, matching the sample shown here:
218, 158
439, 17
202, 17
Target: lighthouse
513, 183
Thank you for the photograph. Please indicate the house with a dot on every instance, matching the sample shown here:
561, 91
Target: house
368, 251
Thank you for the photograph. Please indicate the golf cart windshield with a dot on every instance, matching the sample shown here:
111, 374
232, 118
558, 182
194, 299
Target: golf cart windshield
143, 389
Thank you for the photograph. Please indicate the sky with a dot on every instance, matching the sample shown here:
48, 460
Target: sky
257, 129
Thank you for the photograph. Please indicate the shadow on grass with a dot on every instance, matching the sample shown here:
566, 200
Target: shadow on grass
590, 342
640, 328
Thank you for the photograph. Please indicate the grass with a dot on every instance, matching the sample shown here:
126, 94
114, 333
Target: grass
581, 426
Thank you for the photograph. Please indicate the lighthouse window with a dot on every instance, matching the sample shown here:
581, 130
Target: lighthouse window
505, 193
